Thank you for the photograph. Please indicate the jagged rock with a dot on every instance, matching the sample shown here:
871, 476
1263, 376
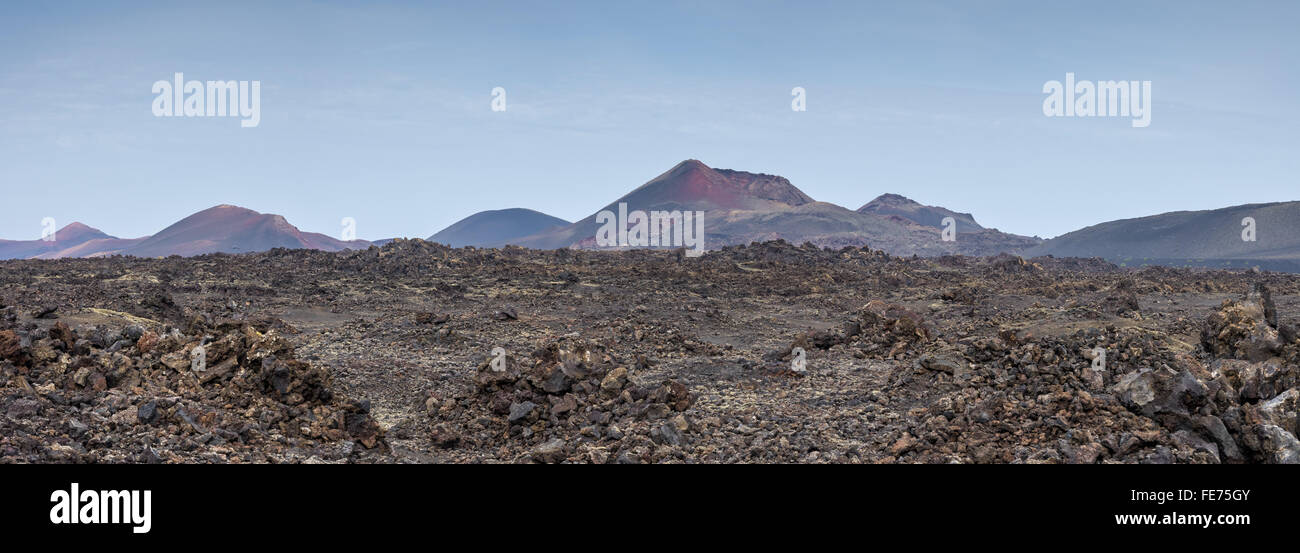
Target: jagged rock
521, 411
1123, 299
1283, 410
946, 363
614, 381
1213, 428
1254, 381
1161, 394
147, 412
552, 451
1240, 330
23, 408
1278, 445
9, 345
1194, 442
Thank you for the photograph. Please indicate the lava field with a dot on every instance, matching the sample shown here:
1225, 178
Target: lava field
414, 352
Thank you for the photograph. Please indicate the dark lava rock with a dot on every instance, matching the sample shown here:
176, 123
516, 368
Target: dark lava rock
148, 412
23, 408
432, 318
520, 411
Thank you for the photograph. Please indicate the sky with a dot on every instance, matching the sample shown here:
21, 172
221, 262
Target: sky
382, 111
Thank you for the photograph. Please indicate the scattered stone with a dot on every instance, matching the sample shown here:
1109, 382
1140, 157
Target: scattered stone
23, 408
255, 400
520, 411
550, 452
148, 412
432, 318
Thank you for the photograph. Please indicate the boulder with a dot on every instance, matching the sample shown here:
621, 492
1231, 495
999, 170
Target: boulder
1165, 395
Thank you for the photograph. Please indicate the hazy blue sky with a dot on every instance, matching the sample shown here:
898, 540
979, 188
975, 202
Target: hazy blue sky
381, 111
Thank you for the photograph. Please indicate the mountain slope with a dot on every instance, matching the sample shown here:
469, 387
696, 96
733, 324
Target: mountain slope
232, 229
930, 216
1198, 237
495, 228
93, 248
689, 185
743, 207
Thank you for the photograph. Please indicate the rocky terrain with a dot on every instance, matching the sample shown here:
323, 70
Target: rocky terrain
415, 352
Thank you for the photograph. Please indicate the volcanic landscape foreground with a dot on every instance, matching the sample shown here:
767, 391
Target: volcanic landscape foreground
417, 352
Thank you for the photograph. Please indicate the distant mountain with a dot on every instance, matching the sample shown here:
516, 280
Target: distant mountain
224, 228
496, 228
68, 238
98, 247
233, 229
690, 185
742, 207
1198, 238
693, 185
930, 216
